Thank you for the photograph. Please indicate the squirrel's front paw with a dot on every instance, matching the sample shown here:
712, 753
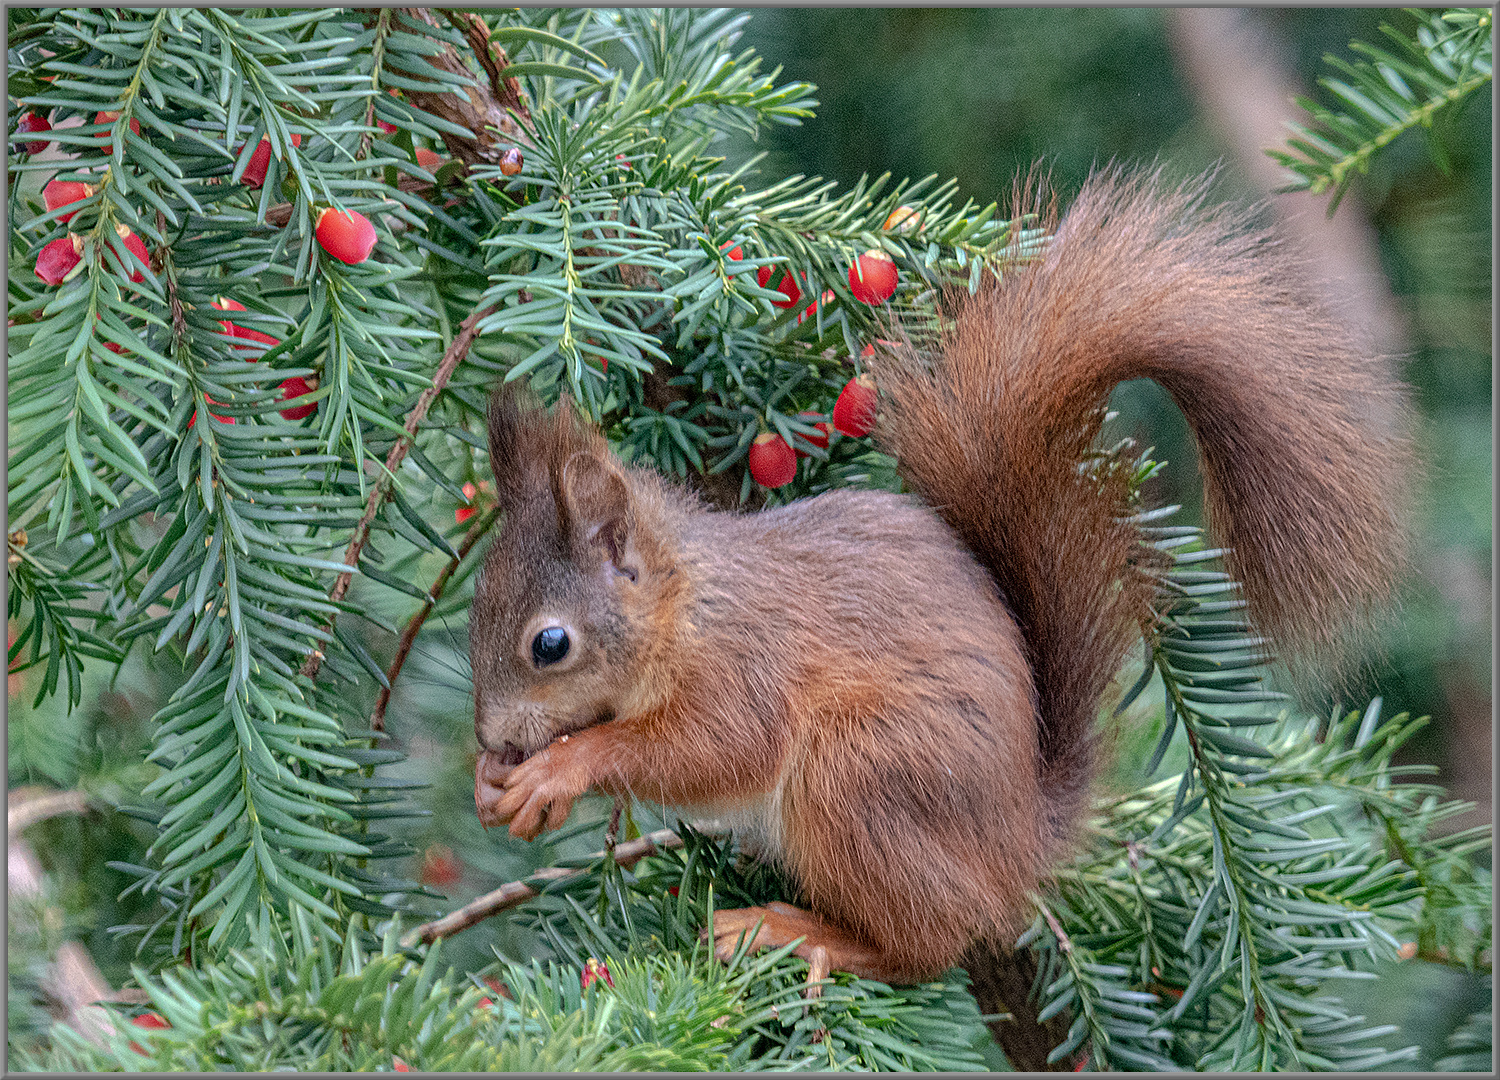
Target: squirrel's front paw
537, 794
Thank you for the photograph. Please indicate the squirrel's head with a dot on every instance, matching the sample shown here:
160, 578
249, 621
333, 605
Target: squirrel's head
575, 597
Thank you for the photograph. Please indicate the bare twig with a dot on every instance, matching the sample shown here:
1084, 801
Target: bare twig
26, 806
467, 332
817, 971
1064, 943
409, 635
514, 893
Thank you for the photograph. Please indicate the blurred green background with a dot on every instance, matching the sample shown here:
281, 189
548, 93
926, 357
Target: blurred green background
980, 94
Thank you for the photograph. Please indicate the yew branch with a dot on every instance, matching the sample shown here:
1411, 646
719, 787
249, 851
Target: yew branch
467, 332
434, 594
514, 893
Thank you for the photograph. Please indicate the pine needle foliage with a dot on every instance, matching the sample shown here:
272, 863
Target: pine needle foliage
165, 497
1427, 73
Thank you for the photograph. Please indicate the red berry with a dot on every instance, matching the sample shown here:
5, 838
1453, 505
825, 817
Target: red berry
194, 418
854, 411
62, 192
872, 278
812, 308
820, 441
398, 1065
512, 161
593, 970
151, 1022
226, 304
296, 387
243, 332
732, 252
903, 219
782, 281
110, 118
137, 247
673, 890
31, 122
428, 159
772, 462
255, 169
388, 129
464, 513
348, 236
439, 867
56, 261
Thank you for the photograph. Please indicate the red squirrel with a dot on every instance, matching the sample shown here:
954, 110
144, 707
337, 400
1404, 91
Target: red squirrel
894, 695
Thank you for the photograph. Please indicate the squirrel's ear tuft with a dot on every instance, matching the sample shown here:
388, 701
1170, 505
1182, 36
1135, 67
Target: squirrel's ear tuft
594, 506
529, 445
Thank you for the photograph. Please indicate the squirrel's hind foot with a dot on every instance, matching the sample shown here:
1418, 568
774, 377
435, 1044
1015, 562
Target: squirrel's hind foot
779, 924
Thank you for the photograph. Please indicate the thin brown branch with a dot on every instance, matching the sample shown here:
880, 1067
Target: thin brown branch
26, 806
467, 332
491, 106
492, 58
514, 893
434, 594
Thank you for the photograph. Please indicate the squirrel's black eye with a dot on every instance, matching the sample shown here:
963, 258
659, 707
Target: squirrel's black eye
549, 646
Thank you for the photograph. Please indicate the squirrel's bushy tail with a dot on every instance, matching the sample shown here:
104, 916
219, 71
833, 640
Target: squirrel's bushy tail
1298, 431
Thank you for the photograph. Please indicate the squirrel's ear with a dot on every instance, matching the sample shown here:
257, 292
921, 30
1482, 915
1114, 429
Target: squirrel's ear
595, 505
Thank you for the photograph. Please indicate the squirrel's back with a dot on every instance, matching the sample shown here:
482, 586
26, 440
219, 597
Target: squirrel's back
1298, 431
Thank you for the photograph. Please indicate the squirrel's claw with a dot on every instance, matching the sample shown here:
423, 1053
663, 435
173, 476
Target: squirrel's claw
825, 946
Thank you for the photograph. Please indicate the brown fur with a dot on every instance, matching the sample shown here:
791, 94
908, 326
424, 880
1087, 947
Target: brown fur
900, 700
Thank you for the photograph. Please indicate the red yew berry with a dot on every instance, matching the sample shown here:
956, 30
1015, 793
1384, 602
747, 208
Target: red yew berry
398, 1065
151, 1022
243, 332
872, 278
296, 387
783, 281
56, 261
673, 891
255, 169
812, 308
137, 247
440, 867
29, 123
388, 129
110, 118
429, 159
222, 419
348, 235
820, 441
464, 513
223, 303
903, 220
854, 411
734, 253
62, 192
512, 161
772, 462
594, 970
